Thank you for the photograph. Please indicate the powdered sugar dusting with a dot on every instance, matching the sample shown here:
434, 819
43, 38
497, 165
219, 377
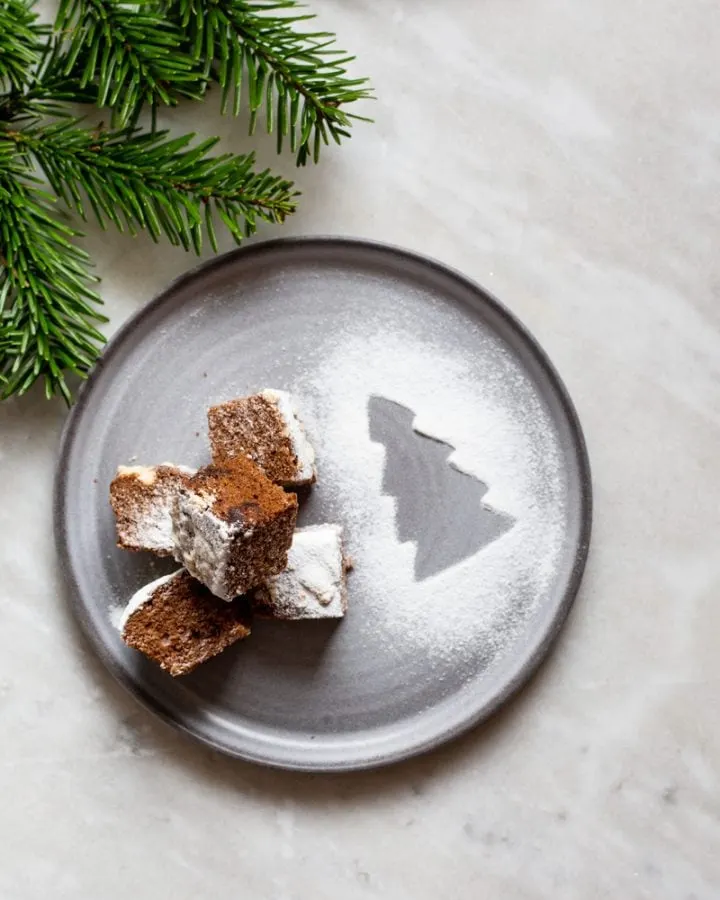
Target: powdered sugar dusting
203, 541
116, 612
312, 586
295, 430
144, 507
478, 605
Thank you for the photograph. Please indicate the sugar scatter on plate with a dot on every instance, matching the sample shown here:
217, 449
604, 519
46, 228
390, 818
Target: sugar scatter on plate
484, 407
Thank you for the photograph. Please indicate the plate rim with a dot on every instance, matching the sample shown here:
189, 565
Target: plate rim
531, 664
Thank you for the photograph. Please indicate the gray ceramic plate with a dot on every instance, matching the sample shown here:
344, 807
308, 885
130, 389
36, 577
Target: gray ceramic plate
467, 559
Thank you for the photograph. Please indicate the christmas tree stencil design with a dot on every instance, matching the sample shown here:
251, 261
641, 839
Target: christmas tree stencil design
439, 508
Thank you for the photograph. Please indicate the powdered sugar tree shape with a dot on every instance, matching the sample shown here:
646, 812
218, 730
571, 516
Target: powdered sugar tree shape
439, 508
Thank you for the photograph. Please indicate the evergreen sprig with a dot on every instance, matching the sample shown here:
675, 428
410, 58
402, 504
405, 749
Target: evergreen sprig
154, 182
130, 56
131, 52
47, 90
22, 39
47, 307
298, 77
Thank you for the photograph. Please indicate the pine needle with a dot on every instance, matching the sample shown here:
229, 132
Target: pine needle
47, 309
130, 56
151, 181
22, 39
130, 52
297, 77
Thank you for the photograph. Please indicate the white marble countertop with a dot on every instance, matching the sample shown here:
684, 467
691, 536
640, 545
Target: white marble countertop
567, 156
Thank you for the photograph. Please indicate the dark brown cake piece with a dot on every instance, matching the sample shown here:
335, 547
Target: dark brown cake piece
178, 623
266, 429
142, 498
232, 527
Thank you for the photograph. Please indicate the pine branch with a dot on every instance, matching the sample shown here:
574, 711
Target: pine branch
21, 40
47, 308
126, 55
299, 78
153, 182
48, 89
131, 52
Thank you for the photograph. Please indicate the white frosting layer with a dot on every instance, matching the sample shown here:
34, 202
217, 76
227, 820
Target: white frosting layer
312, 586
295, 430
143, 595
152, 525
146, 474
203, 541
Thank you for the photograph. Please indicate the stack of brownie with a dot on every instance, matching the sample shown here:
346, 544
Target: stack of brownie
231, 525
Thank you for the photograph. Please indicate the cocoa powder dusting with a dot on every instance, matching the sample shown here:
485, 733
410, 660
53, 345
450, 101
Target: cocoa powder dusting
238, 484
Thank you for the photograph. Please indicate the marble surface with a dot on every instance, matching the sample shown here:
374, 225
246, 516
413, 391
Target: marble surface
567, 156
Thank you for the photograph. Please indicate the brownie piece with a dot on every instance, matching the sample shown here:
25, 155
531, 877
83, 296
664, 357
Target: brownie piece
313, 584
142, 498
266, 429
232, 527
178, 623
